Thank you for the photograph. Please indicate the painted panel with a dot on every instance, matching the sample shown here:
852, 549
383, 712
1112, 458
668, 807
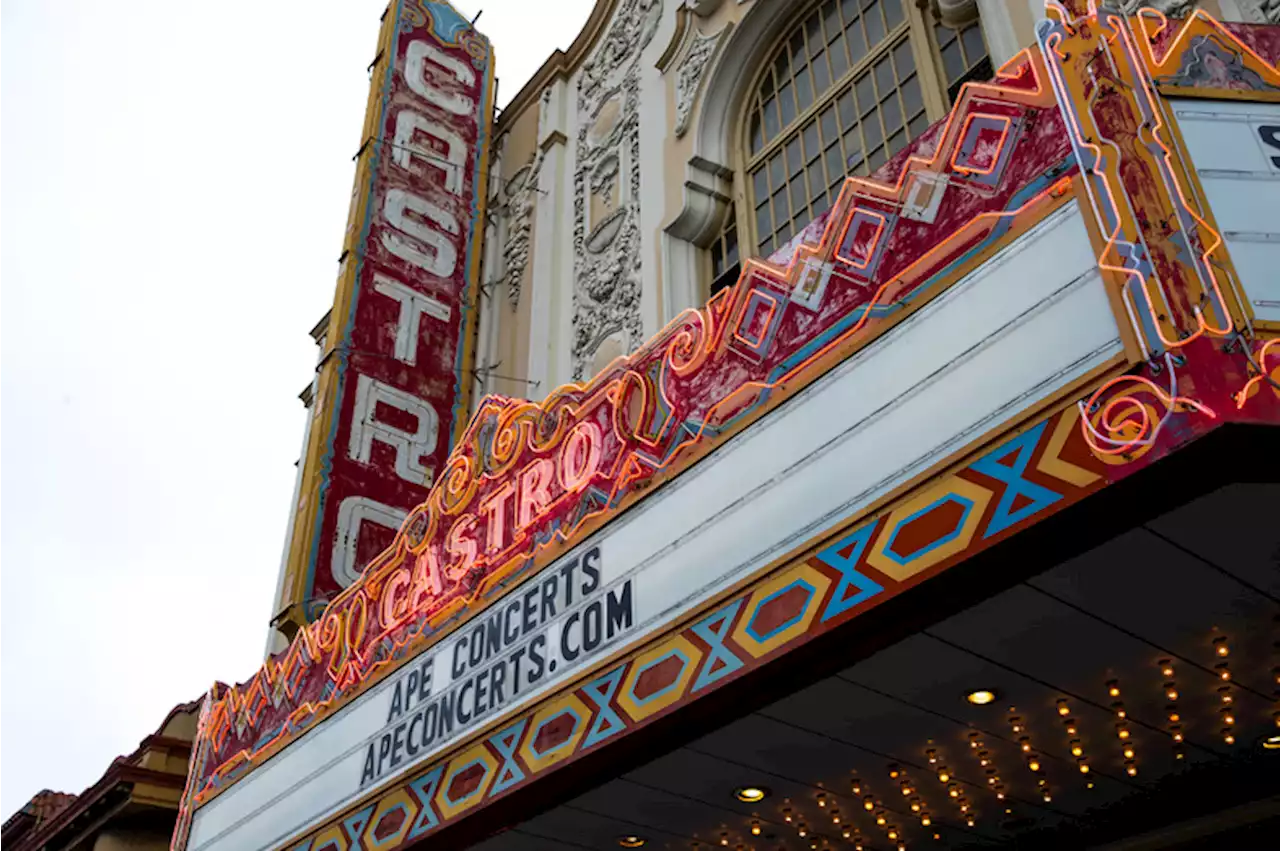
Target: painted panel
393, 384
1029, 321
1235, 149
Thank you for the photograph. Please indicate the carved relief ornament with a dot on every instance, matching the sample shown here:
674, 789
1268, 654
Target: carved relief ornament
606, 187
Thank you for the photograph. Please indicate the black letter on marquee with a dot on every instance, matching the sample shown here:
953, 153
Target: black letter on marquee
368, 773
1270, 135
591, 567
396, 704
618, 610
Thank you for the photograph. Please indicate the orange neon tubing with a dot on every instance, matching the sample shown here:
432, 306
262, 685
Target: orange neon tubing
681, 334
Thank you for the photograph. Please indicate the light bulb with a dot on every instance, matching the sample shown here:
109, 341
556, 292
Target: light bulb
926, 821
943, 776
1128, 753
1123, 733
1076, 750
1132, 770
1034, 765
755, 828
1084, 768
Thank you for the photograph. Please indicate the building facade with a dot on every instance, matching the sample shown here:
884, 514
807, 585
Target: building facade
630, 178
132, 807
788, 424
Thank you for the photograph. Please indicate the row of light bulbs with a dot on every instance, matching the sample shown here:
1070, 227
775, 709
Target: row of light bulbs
1034, 763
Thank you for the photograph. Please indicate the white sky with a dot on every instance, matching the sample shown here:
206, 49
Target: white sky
174, 181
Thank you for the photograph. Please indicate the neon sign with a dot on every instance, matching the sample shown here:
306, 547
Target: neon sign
526, 480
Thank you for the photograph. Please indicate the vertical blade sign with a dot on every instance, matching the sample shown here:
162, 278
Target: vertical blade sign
392, 389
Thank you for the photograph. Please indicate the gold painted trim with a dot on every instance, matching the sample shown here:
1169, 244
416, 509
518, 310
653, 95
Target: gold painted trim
1241, 311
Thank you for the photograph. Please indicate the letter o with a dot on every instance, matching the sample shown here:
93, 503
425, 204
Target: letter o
580, 456
591, 627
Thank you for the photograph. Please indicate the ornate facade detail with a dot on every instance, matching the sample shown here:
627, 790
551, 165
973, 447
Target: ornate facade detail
1172, 8
955, 13
518, 198
1260, 11
606, 187
689, 76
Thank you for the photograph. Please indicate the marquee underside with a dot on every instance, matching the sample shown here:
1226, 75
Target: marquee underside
1149, 591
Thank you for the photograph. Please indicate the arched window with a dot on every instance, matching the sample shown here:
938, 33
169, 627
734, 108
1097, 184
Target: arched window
848, 87
964, 56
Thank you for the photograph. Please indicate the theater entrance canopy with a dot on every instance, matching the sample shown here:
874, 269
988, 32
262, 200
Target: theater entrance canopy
952, 523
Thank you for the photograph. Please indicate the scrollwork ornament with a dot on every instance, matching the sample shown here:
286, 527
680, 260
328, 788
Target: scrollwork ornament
689, 77
607, 282
1123, 419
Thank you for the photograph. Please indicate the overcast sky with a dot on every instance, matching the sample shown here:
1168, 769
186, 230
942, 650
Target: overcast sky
174, 180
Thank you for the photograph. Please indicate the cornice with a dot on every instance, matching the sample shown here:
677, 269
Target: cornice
561, 63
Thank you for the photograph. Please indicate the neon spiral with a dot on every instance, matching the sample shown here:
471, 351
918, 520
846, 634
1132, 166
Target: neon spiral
1126, 424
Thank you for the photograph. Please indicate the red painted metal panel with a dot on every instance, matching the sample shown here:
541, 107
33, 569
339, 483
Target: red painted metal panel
403, 329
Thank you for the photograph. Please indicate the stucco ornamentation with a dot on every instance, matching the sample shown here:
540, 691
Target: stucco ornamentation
518, 202
606, 188
1172, 8
1260, 11
689, 76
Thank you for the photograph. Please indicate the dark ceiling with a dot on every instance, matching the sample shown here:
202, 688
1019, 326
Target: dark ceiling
1169, 595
